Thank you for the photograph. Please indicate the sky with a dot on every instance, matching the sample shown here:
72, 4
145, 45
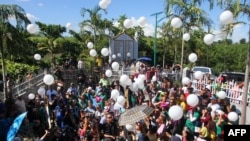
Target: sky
69, 11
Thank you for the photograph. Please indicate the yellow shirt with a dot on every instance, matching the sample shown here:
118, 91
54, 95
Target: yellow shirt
183, 105
99, 62
212, 136
204, 132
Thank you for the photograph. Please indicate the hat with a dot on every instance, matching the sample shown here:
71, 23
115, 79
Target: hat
208, 87
89, 88
71, 83
41, 102
213, 98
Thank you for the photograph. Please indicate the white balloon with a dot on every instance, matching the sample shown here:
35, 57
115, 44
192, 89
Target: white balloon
113, 56
222, 94
103, 4
31, 96
121, 100
128, 54
92, 52
114, 94
175, 112
129, 82
108, 73
48, 79
134, 87
119, 54
124, 79
208, 39
117, 106
41, 91
90, 45
192, 57
226, 17
127, 23
69, 25
115, 66
232, 116
32, 28
142, 21
130, 127
37, 57
198, 75
192, 100
186, 36
185, 81
105, 51
176, 22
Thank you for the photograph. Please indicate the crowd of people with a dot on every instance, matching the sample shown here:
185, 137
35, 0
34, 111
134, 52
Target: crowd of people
85, 111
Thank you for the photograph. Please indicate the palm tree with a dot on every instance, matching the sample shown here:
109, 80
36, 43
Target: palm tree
94, 23
238, 8
7, 27
51, 33
241, 7
191, 15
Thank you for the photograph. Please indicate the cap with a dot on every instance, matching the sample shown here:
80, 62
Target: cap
213, 98
208, 87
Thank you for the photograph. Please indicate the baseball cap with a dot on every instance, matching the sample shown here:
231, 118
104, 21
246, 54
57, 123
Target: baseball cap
213, 98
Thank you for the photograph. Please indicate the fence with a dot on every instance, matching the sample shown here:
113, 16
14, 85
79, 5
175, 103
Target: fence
22, 88
233, 90
234, 93
37, 81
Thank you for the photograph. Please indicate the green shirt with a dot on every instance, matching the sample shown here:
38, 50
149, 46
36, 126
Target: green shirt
104, 82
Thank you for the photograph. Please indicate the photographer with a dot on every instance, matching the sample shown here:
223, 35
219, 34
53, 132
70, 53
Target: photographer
109, 129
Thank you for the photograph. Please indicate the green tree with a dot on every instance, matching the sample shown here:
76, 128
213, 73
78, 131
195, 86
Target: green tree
51, 34
7, 28
94, 23
192, 17
243, 41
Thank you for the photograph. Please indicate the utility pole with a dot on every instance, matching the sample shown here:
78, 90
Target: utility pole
246, 82
155, 38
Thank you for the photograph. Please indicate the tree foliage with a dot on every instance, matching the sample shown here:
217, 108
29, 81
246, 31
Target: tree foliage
222, 55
